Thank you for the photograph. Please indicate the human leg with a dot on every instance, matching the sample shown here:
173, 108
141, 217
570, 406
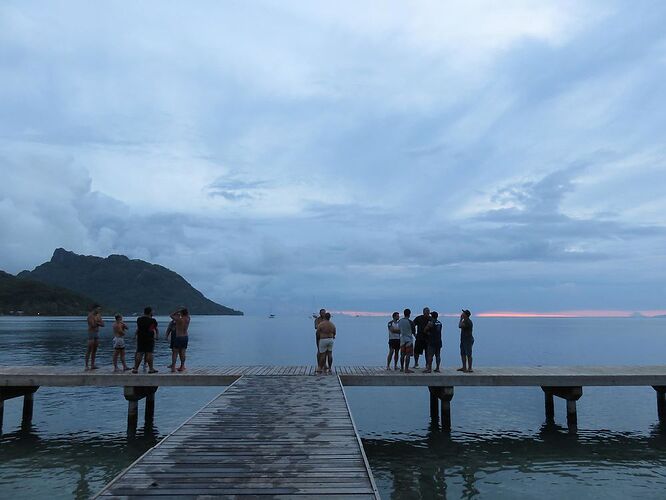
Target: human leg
122, 359
438, 357
88, 351
174, 357
138, 357
115, 360
181, 354
93, 355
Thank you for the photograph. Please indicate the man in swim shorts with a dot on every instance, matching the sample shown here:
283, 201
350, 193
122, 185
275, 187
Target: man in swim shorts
393, 341
94, 322
146, 328
326, 333
466, 341
318, 319
119, 329
406, 341
182, 319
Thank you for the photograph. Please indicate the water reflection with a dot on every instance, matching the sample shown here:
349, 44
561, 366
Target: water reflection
475, 464
85, 461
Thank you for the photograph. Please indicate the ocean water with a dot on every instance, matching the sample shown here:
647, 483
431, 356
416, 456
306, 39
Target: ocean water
499, 447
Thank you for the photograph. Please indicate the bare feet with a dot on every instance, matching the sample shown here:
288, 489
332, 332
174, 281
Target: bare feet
409, 371
181, 368
470, 371
436, 370
427, 370
173, 370
93, 368
152, 371
134, 370
461, 370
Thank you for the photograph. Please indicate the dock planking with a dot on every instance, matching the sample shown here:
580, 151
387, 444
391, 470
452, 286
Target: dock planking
290, 436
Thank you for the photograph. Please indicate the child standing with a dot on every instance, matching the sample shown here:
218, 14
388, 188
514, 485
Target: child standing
119, 328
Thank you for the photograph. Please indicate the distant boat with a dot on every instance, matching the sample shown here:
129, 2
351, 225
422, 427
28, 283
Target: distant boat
271, 315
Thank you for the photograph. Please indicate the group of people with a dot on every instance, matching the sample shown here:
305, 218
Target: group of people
407, 338
423, 335
146, 334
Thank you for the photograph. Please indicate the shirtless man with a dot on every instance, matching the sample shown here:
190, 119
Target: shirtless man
94, 322
182, 319
119, 329
326, 333
318, 319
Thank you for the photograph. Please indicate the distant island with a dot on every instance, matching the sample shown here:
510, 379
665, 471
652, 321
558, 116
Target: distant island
69, 283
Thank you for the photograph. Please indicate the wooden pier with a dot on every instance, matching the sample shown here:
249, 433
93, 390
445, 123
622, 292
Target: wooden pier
277, 437
284, 432
565, 382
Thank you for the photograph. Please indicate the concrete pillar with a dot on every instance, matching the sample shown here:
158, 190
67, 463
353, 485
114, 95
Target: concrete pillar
571, 395
14, 392
661, 402
132, 416
434, 405
550, 406
28, 402
572, 417
445, 395
133, 394
150, 408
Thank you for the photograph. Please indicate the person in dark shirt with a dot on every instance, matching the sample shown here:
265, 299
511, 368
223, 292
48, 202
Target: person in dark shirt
420, 322
146, 328
466, 341
434, 342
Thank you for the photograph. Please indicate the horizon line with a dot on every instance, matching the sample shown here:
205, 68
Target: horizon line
583, 313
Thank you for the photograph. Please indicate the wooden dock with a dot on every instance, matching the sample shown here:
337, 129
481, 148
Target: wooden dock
270, 437
565, 382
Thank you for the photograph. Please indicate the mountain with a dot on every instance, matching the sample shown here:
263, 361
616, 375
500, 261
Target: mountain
124, 285
32, 297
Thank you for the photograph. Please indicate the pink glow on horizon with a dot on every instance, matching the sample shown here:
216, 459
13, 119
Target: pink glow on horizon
584, 313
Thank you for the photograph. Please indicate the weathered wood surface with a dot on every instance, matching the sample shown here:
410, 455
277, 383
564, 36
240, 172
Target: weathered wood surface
277, 437
49, 376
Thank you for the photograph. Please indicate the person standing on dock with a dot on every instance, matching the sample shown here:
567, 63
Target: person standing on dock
94, 322
434, 342
318, 319
182, 319
421, 322
406, 340
466, 341
394, 341
326, 333
146, 328
119, 329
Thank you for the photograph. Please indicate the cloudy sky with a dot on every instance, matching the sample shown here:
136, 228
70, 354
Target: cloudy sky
501, 156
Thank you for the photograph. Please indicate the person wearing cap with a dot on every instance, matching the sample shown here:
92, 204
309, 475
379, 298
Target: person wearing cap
466, 341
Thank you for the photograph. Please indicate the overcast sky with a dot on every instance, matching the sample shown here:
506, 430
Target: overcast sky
501, 156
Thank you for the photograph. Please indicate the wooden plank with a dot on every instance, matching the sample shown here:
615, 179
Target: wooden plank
277, 435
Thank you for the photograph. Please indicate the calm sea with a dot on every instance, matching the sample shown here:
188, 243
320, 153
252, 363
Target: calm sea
499, 446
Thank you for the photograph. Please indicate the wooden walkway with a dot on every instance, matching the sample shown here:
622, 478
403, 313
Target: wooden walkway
266, 437
50, 376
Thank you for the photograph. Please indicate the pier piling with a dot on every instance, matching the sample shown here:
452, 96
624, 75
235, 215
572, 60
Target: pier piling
444, 394
133, 394
9, 392
571, 395
661, 402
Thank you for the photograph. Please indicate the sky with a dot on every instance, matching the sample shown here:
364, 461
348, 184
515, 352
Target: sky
362, 156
